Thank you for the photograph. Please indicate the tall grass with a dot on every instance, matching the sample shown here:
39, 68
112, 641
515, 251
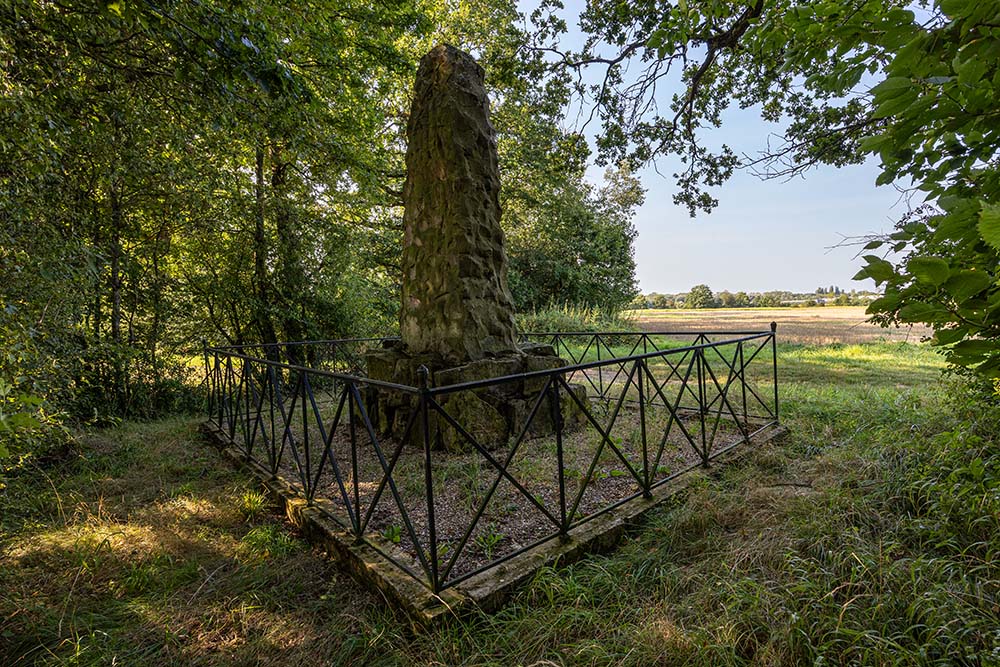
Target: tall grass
572, 318
868, 536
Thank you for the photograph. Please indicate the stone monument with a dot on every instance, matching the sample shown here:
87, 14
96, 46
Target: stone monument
457, 315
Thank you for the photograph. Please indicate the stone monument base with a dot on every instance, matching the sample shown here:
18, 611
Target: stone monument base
492, 415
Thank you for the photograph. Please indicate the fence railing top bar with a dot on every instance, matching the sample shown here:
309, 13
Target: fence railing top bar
486, 382
755, 332
343, 377
479, 384
374, 339
534, 334
647, 333
332, 341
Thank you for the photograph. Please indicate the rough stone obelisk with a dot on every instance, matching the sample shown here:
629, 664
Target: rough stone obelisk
456, 303
457, 315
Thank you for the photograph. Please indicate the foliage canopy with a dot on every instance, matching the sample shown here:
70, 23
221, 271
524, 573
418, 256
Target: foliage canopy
916, 85
180, 172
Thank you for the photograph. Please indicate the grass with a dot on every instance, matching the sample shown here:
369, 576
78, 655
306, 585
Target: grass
870, 535
813, 326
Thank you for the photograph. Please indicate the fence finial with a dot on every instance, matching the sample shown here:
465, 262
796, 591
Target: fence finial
774, 327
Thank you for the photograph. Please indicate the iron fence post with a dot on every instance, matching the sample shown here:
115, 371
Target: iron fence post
423, 374
774, 365
743, 382
305, 435
247, 379
273, 448
555, 411
641, 375
600, 369
220, 387
352, 428
208, 378
702, 408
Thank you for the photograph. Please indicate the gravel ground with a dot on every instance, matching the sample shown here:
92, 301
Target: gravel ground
464, 482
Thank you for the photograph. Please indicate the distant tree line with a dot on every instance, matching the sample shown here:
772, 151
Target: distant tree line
701, 296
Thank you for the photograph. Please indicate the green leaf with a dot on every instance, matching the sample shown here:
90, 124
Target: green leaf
989, 224
894, 105
893, 83
967, 283
974, 349
919, 312
878, 269
874, 143
885, 178
884, 304
931, 270
949, 336
956, 224
19, 421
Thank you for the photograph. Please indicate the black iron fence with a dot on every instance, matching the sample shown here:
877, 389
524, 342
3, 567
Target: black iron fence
463, 486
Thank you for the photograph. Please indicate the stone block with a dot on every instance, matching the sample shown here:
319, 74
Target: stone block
540, 363
572, 414
382, 364
479, 419
537, 349
481, 369
518, 411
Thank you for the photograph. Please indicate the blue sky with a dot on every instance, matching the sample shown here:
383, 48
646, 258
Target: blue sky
764, 235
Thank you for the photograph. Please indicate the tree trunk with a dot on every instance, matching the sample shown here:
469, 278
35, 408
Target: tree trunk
97, 315
119, 390
116, 253
262, 315
291, 273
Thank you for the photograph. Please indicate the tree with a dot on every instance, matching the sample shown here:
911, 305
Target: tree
730, 300
197, 171
172, 173
851, 79
700, 296
575, 245
657, 300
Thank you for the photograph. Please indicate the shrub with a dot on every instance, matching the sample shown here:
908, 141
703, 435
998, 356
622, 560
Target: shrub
568, 318
28, 430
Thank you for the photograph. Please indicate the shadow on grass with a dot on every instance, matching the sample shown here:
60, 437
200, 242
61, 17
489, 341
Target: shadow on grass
168, 571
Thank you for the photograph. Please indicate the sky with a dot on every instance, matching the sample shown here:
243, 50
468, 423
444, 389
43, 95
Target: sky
764, 235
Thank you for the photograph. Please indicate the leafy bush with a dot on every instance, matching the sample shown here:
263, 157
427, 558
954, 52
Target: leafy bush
30, 427
27, 429
568, 318
116, 381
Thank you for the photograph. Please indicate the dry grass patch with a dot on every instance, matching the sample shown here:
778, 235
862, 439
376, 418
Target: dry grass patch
809, 326
183, 563
868, 536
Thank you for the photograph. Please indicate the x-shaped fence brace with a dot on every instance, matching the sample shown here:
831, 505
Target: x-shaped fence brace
260, 404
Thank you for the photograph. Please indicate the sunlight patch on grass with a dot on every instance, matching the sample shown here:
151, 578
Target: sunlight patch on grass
849, 541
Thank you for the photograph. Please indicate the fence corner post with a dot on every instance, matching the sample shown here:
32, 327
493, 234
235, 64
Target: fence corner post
774, 366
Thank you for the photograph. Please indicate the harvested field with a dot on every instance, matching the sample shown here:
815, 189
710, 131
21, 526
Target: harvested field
810, 326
